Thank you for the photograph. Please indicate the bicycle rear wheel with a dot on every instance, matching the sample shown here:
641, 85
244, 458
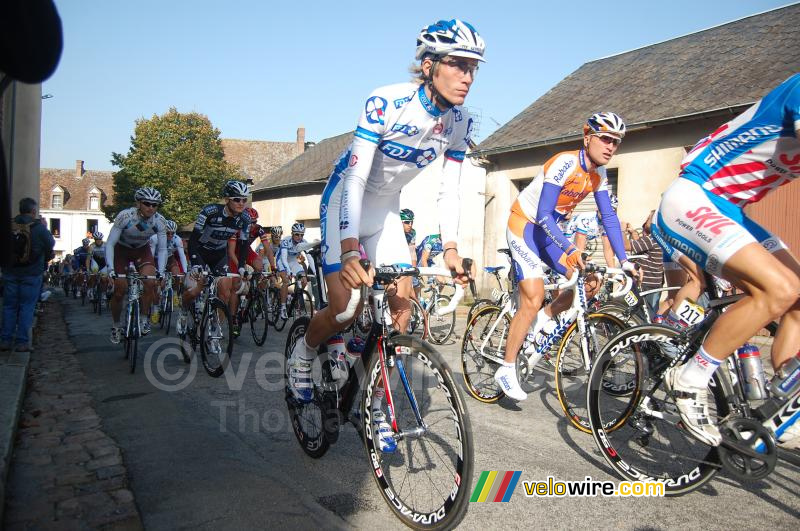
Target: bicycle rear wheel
307, 419
427, 479
216, 338
482, 351
440, 327
572, 375
275, 311
257, 314
640, 433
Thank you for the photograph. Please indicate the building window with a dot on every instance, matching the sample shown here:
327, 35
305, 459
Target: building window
91, 226
55, 227
57, 201
94, 202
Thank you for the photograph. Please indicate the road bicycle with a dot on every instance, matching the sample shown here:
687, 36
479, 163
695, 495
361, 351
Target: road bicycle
253, 307
579, 336
298, 302
438, 325
209, 326
640, 433
426, 481
133, 313
167, 303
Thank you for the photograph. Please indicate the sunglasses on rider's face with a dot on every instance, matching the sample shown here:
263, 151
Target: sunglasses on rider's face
149, 204
605, 139
465, 66
238, 199
297, 234
407, 222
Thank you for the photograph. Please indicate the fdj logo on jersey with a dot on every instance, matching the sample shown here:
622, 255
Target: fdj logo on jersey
405, 153
375, 109
406, 129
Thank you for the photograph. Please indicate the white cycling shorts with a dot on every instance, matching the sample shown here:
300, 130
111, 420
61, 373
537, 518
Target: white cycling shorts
706, 228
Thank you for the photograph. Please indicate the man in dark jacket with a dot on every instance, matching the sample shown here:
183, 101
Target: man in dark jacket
23, 282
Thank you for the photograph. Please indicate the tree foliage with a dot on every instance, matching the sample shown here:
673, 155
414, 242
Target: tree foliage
179, 154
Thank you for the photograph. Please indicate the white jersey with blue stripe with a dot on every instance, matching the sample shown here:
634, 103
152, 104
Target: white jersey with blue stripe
399, 133
754, 153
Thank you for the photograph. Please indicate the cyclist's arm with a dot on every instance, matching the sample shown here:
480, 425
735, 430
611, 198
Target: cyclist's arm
241, 250
111, 242
424, 257
233, 256
154, 245
283, 258
580, 241
270, 255
162, 248
182, 257
449, 202
89, 258
611, 224
194, 239
546, 216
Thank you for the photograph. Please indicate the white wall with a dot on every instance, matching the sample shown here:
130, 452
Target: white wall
73, 227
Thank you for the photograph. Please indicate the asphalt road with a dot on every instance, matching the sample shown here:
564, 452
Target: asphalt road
220, 453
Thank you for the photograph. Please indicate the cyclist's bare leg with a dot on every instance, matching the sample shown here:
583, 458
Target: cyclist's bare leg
150, 293
399, 304
694, 285
531, 296
673, 278
323, 325
284, 286
120, 288
787, 340
564, 299
771, 288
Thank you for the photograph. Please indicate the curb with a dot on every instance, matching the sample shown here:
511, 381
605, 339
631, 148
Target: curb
13, 373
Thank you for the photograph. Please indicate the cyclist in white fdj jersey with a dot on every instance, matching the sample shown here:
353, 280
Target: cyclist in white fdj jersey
97, 265
402, 129
129, 241
292, 262
702, 216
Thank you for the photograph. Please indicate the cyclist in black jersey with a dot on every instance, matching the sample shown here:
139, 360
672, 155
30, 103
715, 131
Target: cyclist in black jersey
208, 244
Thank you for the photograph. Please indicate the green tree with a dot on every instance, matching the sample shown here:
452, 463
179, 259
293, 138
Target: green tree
179, 154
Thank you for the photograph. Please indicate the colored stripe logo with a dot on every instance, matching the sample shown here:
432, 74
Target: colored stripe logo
495, 486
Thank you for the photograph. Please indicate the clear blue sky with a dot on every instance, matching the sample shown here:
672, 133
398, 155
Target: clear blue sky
259, 69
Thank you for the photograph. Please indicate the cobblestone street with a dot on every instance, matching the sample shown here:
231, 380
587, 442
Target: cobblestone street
66, 472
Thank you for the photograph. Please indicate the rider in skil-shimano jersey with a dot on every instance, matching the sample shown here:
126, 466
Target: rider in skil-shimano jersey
702, 216
402, 129
128, 242
535, 239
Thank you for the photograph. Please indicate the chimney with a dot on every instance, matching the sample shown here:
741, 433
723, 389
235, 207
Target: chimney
79, 171
300, 145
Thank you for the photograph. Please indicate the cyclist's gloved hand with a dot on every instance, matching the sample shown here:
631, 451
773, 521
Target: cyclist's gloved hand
574, 259
159, 275
629, 267
196, 272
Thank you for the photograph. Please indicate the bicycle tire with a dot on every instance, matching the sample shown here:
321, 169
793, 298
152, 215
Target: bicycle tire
303, 304
571, 375
416, 323
477, 305
132, 345
306, 419
476, 369
257, 315
440, 327
217, 321
636, 430
277, 321
443, 503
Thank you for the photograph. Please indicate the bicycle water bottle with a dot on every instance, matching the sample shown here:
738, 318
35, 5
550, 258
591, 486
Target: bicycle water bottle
338, 358
755, 384
787, 378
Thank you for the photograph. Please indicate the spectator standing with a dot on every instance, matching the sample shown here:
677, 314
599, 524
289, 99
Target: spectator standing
652, 265
23, 280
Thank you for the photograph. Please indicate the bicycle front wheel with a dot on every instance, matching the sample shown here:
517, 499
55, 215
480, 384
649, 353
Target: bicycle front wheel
440, 327
216, 338
427, 479
131, 352
257, 314
572, 373
482, 351
639, 433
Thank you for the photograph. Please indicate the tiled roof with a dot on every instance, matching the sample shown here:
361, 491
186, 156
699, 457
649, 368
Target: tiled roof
314, 165
258, 158
76, 188
726, 66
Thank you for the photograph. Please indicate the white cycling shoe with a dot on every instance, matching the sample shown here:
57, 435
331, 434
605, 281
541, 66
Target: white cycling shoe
506, 378
300, 382
692, 405
383, 431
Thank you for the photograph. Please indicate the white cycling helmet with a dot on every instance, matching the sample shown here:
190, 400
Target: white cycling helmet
605, 122
97, 235
171, 226
148, 193
299, 227
234, 189
450, 37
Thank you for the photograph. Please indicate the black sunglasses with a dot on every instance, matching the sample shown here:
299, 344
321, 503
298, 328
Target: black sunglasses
407, 222
149, 204
238, 199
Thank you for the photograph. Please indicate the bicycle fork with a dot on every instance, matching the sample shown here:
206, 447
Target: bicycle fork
388, 361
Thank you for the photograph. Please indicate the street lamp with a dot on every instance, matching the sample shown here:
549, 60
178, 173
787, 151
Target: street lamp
46, 96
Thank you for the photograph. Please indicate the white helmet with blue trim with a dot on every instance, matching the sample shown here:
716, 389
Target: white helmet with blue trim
450, 37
